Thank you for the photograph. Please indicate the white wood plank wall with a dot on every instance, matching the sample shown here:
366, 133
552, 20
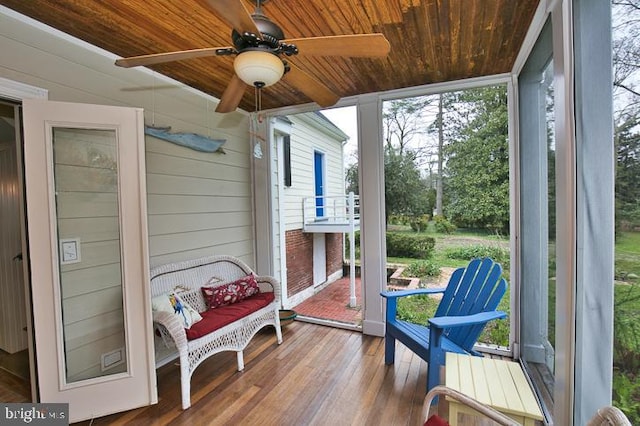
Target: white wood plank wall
305, 139
13, 337
198, 203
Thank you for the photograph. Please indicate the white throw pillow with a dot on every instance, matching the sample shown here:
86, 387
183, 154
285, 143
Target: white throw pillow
173, 303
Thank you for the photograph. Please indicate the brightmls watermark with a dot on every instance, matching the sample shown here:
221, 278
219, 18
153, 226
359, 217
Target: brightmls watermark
34, 414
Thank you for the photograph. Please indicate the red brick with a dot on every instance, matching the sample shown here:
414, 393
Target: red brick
299, 248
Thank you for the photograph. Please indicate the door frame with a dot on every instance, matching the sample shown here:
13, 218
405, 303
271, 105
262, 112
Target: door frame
18, 92
319, 181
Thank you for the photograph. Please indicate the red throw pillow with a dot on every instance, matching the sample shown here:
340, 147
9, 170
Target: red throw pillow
435, 420
227, 294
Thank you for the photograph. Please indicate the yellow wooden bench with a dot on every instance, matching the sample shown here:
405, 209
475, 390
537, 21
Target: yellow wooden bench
496, 383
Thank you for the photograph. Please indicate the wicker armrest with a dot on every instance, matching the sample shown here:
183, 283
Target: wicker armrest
174, 327
267, 283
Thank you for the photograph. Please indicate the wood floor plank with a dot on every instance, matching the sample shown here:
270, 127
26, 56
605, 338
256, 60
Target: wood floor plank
318, 376
13, 388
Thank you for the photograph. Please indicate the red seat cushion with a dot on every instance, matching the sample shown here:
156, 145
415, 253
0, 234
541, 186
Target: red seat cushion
214, 319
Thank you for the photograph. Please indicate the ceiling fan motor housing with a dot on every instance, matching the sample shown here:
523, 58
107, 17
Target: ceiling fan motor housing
258, 62
269, 37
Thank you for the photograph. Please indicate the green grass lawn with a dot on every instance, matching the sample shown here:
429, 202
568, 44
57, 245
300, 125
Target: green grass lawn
626, 311
627, 254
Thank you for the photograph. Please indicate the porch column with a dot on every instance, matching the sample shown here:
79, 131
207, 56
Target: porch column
585, 209
595, 167
372, 218
261, 186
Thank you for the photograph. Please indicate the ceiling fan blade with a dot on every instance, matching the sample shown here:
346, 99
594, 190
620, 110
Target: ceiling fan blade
232, 95
355, 45
158, 58
311, 87
236, 14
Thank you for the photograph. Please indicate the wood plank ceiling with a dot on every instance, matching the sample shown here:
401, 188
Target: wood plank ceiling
431, 40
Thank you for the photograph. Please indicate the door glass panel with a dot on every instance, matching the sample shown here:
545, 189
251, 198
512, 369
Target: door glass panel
89, 252
547, 87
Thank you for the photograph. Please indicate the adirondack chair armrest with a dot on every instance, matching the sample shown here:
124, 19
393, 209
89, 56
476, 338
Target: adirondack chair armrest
466, 320
403, 293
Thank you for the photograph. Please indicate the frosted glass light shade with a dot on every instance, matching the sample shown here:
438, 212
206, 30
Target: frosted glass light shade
254, 66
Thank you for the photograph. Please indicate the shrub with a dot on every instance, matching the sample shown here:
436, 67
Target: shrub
348, 245
626, 395
422, 268
498, 254
398, 219
413, 246
443, 226
419, 223
496, 332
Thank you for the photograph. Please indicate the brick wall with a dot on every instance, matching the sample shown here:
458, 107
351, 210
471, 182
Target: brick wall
299, 261
334, 253
300, 258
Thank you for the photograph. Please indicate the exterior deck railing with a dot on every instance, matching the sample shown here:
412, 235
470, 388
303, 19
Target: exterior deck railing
338, 213
335, 214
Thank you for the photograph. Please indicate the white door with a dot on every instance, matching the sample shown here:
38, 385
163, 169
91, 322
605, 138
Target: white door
87, 229
319, 259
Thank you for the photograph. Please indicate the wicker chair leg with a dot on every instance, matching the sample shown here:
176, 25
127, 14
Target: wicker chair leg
185, 382
240, 360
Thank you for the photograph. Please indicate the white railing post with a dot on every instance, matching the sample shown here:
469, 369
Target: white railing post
352, 251
304, 214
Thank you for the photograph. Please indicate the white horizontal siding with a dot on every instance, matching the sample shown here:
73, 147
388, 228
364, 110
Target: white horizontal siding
180, 181
305, 139
198, 203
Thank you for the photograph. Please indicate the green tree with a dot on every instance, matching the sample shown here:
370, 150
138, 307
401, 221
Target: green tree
351, 177
403, 120
477, 162
406, 192
628, 170
626, 72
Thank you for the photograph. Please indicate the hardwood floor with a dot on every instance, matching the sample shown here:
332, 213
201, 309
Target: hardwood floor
318, 376
13, 388
14, 377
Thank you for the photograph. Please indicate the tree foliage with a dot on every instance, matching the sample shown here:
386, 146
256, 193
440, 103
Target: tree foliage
477, 163
351, 177
626, 73
628, 169
626, 53
403, 120
406, 192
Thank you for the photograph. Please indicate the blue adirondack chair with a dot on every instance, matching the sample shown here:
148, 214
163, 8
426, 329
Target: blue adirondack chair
468, 302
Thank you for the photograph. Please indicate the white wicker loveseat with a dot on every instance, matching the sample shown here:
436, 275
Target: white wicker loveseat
186, 279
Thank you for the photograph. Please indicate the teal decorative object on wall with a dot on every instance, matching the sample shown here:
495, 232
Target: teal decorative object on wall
190, 140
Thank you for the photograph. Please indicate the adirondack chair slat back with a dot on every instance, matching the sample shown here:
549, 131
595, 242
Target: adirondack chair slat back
476, 288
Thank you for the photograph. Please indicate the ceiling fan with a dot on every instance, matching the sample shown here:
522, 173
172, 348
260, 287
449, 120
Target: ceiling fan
260, 45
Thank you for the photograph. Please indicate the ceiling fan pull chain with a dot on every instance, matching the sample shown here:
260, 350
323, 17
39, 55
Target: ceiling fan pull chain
256, 101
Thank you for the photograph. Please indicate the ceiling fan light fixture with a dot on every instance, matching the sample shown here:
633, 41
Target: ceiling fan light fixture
256, 67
